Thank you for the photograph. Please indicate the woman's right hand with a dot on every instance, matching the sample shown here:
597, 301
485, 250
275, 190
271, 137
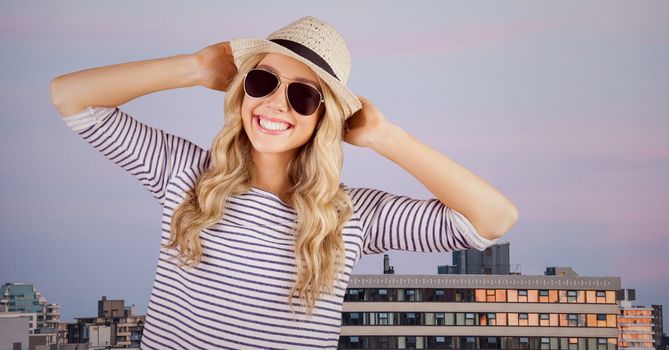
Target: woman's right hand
216, 65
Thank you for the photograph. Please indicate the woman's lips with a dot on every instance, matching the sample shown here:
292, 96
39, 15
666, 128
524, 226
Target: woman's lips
256, 121
276, 120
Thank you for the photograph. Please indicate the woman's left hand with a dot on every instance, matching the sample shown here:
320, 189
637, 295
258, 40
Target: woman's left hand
365, 126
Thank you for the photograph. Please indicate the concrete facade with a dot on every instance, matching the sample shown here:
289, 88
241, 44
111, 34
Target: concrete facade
480, 311
13, 331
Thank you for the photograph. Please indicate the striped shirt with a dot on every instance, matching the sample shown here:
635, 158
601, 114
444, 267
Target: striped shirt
236, 298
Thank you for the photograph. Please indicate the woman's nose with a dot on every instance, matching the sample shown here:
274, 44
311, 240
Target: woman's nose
277, 100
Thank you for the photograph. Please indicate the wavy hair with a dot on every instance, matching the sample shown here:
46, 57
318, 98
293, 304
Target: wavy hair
322, 206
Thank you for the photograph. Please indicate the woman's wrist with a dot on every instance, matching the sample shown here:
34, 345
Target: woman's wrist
388, 138
193, 75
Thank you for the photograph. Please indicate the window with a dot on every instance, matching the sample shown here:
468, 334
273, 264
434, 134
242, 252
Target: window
449, 319
572, 320
492, 319
480, 295
501, 318
522, 295
381, 295
411, 318
459, 319
410, 342
602, 343
512, 295
439, 316
490, 295
571, 296
590, 297
600, 297
545, 343
383, 318
543, 293
544, 320
513, 319
354, 318
500, 295
522, 319
470, 319
470, 343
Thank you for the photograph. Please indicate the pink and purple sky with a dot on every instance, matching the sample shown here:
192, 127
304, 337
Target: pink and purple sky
562, 106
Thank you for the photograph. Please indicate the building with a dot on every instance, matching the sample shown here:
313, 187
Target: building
25, 298
557, 310
494, 260
14, 332
658, 327
636, 326
30, 316
52, 316
640, 327
123, 327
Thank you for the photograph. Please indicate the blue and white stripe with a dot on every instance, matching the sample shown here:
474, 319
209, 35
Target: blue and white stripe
236, 298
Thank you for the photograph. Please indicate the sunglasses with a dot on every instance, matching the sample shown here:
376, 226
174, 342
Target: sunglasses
303, 98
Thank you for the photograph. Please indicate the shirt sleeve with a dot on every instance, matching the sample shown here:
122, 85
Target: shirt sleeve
149, 154
395, 222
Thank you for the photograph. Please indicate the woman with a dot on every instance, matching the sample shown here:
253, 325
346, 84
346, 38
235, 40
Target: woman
261, 218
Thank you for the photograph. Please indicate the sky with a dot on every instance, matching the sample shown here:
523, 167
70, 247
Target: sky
561, 106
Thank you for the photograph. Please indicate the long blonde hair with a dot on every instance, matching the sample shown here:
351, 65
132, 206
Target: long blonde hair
322, 206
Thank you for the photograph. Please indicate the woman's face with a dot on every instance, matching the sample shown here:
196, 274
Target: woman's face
276, 106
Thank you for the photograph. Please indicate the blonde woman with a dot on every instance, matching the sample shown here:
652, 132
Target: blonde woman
259, 236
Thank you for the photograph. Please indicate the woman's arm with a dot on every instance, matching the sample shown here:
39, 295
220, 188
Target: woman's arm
487, 209
114, 85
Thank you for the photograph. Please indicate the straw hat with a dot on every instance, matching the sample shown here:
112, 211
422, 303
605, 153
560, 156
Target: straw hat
316, 44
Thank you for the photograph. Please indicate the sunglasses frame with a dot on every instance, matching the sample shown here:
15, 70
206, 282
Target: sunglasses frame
281, 80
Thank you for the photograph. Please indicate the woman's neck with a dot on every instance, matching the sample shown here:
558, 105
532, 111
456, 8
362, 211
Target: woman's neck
270, 172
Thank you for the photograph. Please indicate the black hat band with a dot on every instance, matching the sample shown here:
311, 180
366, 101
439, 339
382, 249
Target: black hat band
306, 53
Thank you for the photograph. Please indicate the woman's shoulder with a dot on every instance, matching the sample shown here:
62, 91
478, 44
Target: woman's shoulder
364, 194
355, 190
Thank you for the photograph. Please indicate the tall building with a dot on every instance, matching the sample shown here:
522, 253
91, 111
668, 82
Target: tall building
658, 326
636, 327
551, 311
494, 260
640, 327
24, 298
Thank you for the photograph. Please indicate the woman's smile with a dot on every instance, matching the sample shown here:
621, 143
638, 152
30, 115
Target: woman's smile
270, 127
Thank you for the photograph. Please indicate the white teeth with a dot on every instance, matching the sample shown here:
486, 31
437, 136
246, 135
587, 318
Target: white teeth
272, 125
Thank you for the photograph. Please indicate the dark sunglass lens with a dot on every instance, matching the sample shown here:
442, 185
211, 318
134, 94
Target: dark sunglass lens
259, 83
303, 98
